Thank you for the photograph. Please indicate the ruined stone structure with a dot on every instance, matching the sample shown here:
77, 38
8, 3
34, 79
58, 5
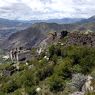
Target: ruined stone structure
14, 55
18, 54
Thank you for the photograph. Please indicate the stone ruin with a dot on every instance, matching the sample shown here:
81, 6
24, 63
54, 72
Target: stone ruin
19, 54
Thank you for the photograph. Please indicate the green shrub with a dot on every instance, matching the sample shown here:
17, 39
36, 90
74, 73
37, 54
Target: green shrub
56, 84
93, 73
77, 68
30, 91
90, 93
26, 78
10, 86
45, 72
2, 93
64, 68
51, 50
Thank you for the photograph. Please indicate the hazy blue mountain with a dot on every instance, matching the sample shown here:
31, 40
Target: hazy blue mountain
7, 27
91, 19
59, 21
64, 20
12, 23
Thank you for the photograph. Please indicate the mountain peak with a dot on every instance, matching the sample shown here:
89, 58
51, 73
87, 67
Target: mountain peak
93, 17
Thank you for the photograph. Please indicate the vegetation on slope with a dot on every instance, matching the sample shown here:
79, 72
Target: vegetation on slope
52, 75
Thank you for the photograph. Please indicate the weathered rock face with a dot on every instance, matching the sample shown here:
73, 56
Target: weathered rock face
77, 93
78, 80
82, 84
81, 39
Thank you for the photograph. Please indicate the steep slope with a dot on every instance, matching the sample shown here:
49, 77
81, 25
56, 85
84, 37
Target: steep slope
33, 35
25, 38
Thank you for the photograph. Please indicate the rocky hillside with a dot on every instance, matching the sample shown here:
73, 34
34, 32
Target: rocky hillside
57, 70
86, 39
21, 39
33, 35
25, 38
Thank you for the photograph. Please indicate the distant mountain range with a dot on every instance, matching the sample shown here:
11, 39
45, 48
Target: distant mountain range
36, 32
16, 23
7, 27
59, 21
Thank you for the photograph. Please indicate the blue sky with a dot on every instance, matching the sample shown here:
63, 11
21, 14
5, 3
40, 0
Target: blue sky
46, 9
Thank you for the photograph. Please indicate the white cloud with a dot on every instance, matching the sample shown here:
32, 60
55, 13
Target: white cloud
4, 3
46, 9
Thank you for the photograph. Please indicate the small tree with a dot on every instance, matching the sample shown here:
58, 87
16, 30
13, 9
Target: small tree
64, 68
63, 34
56, 84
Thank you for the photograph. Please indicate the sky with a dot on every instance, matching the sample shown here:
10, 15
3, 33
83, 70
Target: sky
46, 9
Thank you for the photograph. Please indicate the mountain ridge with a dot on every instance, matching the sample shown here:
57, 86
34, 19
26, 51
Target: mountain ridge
44, 28
91, 19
